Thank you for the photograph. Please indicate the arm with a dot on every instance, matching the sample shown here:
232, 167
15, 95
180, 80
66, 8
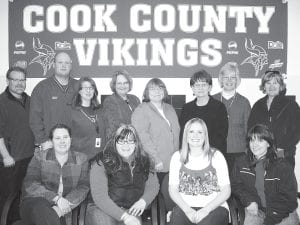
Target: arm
111, 115
8, 160
151, 188
221, 130
142, 125
78, 194
246, 115
36, 116
99, 191
33, 181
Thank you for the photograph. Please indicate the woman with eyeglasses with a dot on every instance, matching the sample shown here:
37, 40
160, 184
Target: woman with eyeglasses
279, 113
205, 107
265, 185
122, 183
87, 121
157, 125
238, 110
119, 106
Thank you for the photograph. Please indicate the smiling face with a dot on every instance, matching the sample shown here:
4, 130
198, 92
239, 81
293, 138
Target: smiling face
122, 85
156, 93
125, 147
86, 91
61, 141
258, 147
272, 87
201, 89
196, 135
229, 81
62, 65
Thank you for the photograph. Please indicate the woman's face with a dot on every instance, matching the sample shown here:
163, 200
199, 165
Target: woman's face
272, 87
61, 141
122, 85
156, 93
201, 89
229, 81
87, 91
125, 147
259, 147
196, 135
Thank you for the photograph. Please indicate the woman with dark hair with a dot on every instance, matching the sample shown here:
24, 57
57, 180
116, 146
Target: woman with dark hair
119, 106
157, 125
122, 184
199, 181
279, 113
56, 182
265, 185
87, 119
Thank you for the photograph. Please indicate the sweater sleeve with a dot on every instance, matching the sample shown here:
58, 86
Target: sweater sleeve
36, 115
220, 134
247, 110
99, 191
142, 124
151, 188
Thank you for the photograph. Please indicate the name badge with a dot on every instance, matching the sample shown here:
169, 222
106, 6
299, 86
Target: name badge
98, 142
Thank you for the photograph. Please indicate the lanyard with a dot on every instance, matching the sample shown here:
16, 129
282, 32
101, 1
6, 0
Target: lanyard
93, 119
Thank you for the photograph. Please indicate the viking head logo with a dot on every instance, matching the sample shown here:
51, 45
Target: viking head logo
258, 56
45, 55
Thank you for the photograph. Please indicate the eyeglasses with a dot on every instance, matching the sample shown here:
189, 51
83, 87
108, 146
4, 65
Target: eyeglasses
229, 78
17, 80
200, 85
156, 89
123, 142
124, 83
88, 88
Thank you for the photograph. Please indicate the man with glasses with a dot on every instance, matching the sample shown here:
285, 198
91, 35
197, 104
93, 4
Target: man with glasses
16, 137
51, 100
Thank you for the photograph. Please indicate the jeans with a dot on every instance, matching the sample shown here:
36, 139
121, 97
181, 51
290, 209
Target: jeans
219, 216
251, 219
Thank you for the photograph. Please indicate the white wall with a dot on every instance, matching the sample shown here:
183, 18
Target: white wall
249, 87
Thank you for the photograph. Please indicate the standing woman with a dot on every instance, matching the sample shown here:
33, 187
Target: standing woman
119, 106
238, 110
87, 119
199, 181
56, 181
122, 184
265, 185
280, 114
157, 125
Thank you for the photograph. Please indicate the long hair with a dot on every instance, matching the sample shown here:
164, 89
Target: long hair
113, 161
269, 75
261, 132
155, 82
185, 149
77, 97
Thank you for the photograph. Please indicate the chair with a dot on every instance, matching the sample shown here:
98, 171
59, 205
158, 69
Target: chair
14, 197
167, 205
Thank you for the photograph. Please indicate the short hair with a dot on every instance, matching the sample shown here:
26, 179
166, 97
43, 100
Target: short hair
15, 69
185, 149
59, 53
59, 126
230, 67
201, 75
113, 81
158, 83
262, 132
269, 75
77, 97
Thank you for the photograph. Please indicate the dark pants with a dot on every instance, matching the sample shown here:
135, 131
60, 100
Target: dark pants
219, 216
38, 211
11, 180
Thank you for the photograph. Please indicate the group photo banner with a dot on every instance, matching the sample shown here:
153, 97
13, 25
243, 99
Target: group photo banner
165, 38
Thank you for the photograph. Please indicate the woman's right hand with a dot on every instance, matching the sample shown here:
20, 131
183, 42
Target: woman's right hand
131, 220
64, 205
252, 208
159, 166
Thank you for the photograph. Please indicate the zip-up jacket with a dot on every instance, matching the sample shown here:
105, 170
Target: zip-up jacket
280, 188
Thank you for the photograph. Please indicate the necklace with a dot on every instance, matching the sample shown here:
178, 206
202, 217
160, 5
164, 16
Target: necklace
228, 109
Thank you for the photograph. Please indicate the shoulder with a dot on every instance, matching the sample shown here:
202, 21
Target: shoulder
242, 98
80, 157
190, 104
217, 96
215, 103
133, 98
42, 85
260, 102
175, 157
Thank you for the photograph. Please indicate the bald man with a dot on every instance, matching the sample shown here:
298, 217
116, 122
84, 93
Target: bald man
51, 100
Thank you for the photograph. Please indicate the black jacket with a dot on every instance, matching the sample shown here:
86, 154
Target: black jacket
280, 188
283, 119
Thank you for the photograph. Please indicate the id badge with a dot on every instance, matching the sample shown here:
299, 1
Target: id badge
98, 142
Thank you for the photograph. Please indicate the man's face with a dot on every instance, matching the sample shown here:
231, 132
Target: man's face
62, 65
16, 83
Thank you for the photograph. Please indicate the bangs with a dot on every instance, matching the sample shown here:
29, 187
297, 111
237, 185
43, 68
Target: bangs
126, 134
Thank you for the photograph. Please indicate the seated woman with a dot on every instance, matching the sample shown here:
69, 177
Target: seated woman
56, 181
265, 185
122, 184
199, 181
